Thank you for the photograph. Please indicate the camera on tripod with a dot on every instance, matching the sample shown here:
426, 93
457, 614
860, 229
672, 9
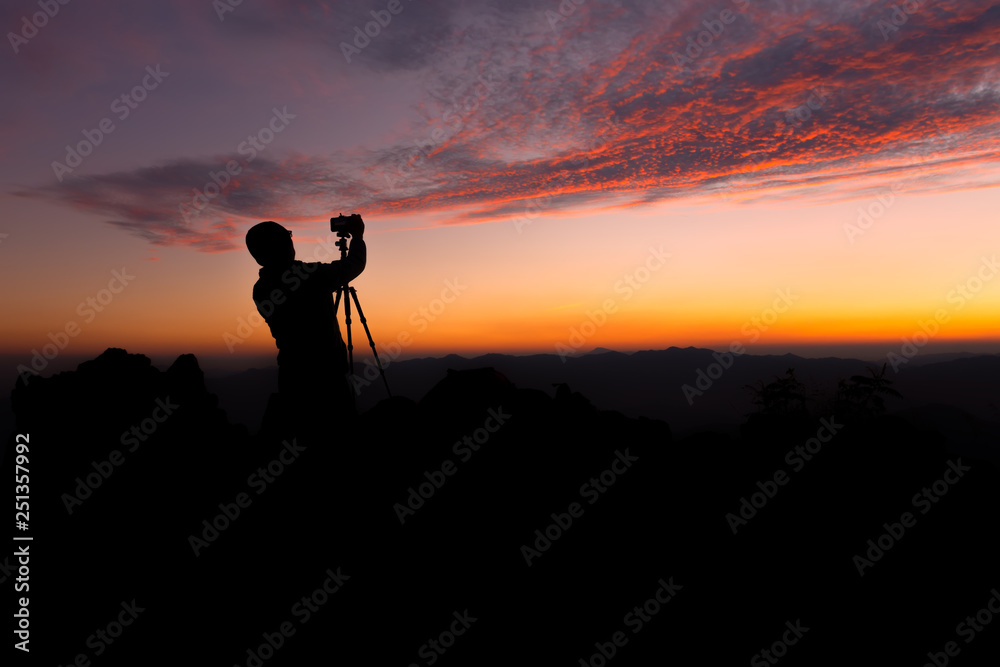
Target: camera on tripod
345, 225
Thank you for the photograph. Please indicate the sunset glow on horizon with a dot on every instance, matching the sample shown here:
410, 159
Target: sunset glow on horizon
626, 175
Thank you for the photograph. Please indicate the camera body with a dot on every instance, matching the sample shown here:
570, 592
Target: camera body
345, 224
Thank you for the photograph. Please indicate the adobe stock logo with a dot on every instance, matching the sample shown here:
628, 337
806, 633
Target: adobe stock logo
435, 648
635, 620
593, 490
230, 512
795, 457
252, 146
960, 295
103, 470
967, 629
303, 610
899, 15
867, 215
122, 106
797, 117
469, 444
362, 38
779, 648
630, 283
88, 309
894, 532
696, 44
38, 20
704, 379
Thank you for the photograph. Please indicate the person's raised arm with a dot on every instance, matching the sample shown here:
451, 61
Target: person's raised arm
342, 271
357, 258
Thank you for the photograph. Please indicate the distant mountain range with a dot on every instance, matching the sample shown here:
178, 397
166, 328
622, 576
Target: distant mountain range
956, 393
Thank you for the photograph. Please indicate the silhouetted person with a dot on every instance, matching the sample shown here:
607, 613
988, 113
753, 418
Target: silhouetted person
296, 300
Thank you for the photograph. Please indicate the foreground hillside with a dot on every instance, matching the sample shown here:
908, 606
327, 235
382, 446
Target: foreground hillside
487, 524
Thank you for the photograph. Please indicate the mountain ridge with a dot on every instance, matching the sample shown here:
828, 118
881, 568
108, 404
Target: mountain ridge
649, 382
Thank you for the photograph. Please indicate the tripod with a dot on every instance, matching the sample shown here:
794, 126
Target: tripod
343, 290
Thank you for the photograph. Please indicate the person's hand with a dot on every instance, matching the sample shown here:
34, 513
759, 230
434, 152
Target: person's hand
357, 227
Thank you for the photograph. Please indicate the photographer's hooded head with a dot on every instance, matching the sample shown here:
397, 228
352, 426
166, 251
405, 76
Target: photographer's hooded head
270, 244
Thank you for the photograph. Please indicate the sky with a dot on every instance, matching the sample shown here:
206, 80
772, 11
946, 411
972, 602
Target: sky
535, 176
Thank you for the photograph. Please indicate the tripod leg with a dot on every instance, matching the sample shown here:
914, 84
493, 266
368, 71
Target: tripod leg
364, 322
347, 321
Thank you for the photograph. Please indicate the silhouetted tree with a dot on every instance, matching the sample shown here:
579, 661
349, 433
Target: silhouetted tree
862, 396
785, 397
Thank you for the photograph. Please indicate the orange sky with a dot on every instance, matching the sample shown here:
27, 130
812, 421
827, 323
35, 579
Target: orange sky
480, 288
593, 182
